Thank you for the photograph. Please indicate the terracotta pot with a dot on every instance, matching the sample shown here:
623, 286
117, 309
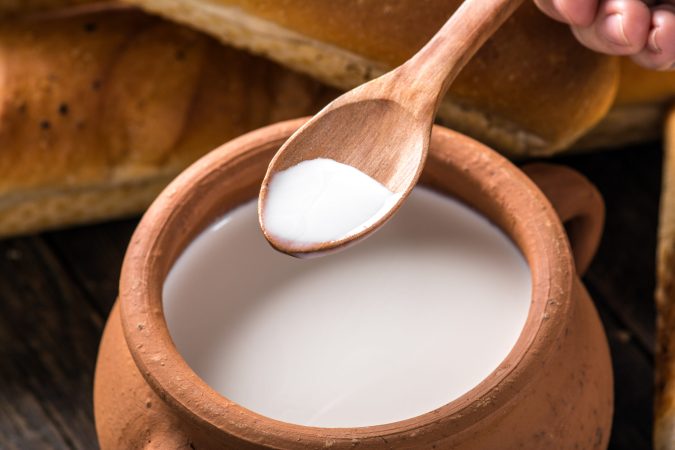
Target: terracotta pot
554, 390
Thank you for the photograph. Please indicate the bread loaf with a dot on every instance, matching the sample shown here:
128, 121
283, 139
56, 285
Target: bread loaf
100, 107
531, 90
639, 110
99, 111
18, 7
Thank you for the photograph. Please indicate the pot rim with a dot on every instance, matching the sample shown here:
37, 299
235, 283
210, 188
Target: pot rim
526, 215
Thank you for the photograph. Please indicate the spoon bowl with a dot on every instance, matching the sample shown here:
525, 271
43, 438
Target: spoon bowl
390, 148
391, 151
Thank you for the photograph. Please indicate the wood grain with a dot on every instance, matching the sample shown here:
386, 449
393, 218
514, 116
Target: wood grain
633, 373
91, 256
664, 425
48, 341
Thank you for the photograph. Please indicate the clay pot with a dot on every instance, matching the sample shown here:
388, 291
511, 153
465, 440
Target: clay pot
554, 390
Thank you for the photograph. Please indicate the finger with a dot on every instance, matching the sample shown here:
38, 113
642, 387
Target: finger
573, 12
659, 53
620, 28
548, 8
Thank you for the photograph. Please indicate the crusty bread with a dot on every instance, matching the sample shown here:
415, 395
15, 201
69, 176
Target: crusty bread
14, 7
642, 86
100, 107
639, 110
531, 90
664, 411
98, 112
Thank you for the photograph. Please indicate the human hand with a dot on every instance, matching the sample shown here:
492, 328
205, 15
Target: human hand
644, 30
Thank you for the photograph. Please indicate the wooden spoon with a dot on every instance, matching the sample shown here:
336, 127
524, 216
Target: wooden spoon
383, 127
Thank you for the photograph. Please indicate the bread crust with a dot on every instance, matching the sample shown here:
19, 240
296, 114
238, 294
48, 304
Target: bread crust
99, 105
18, 7
641, 86
549, 91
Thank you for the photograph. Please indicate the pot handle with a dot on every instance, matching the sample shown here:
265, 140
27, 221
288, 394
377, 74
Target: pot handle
578, 204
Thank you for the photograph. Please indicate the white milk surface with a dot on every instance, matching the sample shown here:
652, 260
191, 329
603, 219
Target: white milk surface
396, 326
322, 200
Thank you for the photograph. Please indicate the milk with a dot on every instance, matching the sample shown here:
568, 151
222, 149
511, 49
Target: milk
394, 327
322, 200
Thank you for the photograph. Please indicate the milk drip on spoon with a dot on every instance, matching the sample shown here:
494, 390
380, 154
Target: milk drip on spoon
322, 200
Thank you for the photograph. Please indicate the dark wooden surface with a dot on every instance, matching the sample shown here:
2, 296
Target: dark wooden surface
57, 288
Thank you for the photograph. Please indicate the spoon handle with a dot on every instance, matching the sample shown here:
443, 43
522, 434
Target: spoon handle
435, 66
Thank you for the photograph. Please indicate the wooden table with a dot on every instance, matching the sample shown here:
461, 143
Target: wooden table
57, 288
